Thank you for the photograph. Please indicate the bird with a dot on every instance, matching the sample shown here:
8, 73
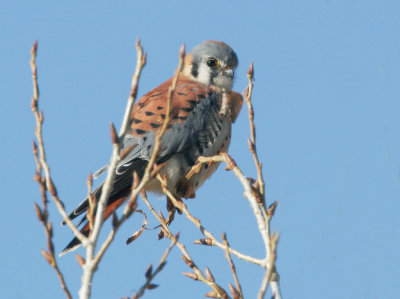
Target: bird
203, 109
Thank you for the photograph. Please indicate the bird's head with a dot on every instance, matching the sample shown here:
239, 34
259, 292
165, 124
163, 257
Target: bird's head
211, 63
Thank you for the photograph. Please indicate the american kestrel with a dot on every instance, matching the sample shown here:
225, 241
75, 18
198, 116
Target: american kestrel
202, 112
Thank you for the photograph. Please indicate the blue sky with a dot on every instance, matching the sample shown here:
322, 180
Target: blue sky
327, 114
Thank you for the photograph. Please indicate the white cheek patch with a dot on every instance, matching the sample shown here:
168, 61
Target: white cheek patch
204, 74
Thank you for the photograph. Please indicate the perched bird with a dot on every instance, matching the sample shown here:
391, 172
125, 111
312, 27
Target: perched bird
202, 112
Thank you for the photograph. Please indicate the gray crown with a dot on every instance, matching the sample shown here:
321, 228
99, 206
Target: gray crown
215, 49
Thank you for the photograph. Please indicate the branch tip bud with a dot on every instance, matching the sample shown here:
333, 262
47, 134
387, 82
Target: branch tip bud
182, 50
52, 189
90, 179
205, 241
271, 208
48, 257
189, 262
39, 212
34, 47
114, 136
152, 286
81, 260
191, 275
209, 275
250, 72
149, 271
234, 292
212, 294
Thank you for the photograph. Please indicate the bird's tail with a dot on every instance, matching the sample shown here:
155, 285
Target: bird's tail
74, 244
112, 205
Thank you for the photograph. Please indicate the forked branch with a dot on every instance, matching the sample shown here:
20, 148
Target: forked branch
45, 182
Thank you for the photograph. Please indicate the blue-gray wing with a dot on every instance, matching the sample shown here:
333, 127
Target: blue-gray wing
194, 122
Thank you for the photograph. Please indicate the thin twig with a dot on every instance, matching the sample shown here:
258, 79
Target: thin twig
275, 288
43, 213
91, 203
129, 208
91, 262
249, 192
254, 192
232, 265
116, 225
160, 219
259, 186
271, 269
203, 230
42, 155
198, 275
167, 119
271, 243
150, 275
252, 140
138, 186
263, 223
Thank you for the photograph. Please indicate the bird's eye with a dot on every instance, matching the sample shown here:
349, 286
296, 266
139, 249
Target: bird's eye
212, 62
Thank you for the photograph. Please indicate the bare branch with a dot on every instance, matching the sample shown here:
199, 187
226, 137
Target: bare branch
91, 263
232, 266
274, 283
150, 275
253, 191
252, 141
212, 240
271, 241
271, 269
249, 193
137, 187
40, 164
91, 203
41, 152
140, 231
198, 275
